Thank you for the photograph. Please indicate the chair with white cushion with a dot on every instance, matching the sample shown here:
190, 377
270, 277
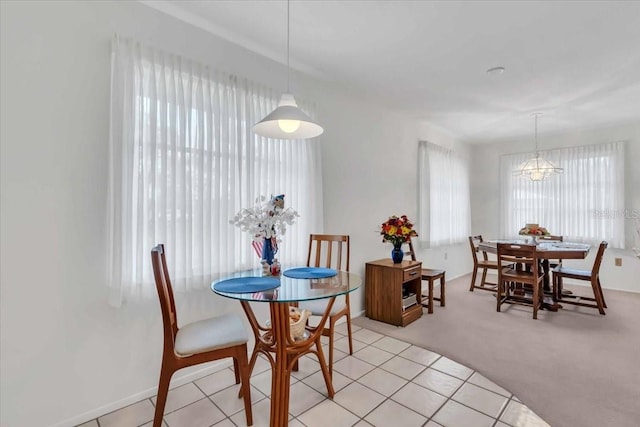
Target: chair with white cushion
592, 276
198, 342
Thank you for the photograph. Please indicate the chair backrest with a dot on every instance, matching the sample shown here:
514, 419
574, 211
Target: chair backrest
521, 254
551, 238
598, 261
165, 295
329, 250
474, 241
411, 252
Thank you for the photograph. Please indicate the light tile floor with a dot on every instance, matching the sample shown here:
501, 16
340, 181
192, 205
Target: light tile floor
384, 383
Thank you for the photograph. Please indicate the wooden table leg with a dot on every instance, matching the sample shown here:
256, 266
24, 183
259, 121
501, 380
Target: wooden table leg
281, 376
283, 353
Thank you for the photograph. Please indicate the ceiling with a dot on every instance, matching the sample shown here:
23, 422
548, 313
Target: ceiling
577, 62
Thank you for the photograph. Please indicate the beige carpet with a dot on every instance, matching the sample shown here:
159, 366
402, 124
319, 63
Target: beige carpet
574, 368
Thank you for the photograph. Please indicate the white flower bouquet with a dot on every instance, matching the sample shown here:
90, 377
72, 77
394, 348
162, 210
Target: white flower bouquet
267, 219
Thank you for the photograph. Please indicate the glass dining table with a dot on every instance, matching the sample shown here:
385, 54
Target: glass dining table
274, 339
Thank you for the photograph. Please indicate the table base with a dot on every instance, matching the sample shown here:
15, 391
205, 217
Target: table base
283, 353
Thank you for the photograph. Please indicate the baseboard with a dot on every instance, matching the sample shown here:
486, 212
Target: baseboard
176, 381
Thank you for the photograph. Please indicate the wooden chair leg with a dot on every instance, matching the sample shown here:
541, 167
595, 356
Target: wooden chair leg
243, 370
604, 303
163, 391
252, 364
558, 280
473, 278
349, 333
236, 370
325, 371
536, 298
499, 295
597, 296
484, 277
331, 330
442, 295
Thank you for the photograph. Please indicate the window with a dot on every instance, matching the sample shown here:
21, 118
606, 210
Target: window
184, 160
443, 192
584, 204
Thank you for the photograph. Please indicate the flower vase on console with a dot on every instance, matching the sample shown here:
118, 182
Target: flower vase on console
397, 254
397, 230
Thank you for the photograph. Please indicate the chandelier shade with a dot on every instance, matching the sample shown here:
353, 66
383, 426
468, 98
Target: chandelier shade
287, 121
537, 168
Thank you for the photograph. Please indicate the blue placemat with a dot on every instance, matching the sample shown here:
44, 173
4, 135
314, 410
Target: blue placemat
245, 285
310, 272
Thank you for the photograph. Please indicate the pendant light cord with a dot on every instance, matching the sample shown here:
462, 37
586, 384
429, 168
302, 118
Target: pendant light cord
536, 136
288, 91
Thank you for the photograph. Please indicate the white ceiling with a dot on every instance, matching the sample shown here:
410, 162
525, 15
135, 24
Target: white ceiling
578, 62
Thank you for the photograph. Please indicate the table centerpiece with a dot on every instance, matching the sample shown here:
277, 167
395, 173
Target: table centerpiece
533, 231
266, 221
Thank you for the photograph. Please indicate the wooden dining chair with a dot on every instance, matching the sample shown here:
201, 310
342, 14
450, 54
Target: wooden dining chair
429, 275
518, 265
484, 263
592, 276
555, 262
198, 342
330, 251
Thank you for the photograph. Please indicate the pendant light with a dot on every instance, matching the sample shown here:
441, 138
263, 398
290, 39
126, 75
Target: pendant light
537, 168
287, 121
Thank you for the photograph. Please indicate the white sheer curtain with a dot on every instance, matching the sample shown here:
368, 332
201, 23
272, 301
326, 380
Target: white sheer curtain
184, 160
443, 187
584, 204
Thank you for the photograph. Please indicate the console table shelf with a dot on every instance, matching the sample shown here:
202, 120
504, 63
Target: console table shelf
390, 290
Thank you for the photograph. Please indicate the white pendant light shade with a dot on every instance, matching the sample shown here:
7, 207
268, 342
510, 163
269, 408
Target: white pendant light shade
287, 121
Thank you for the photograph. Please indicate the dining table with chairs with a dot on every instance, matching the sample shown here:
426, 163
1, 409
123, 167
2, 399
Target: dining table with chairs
276, 339
545, 251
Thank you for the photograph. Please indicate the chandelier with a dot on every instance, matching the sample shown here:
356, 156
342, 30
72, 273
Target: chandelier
537, 168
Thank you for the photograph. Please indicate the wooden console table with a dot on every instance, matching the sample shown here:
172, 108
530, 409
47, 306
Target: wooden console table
393, 291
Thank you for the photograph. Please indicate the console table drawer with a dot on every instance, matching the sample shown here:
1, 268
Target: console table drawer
411, 273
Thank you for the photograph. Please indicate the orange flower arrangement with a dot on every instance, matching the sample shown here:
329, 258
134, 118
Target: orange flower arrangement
397, 230
533, 230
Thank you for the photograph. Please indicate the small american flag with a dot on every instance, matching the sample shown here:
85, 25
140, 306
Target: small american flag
257, 246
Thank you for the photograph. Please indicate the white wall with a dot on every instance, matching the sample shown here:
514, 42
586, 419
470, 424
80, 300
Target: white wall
485, 190
63, 348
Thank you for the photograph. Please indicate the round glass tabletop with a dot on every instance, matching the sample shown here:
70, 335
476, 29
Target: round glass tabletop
290, 289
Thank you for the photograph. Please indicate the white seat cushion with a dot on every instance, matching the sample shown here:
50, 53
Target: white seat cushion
318, 307
210, 334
